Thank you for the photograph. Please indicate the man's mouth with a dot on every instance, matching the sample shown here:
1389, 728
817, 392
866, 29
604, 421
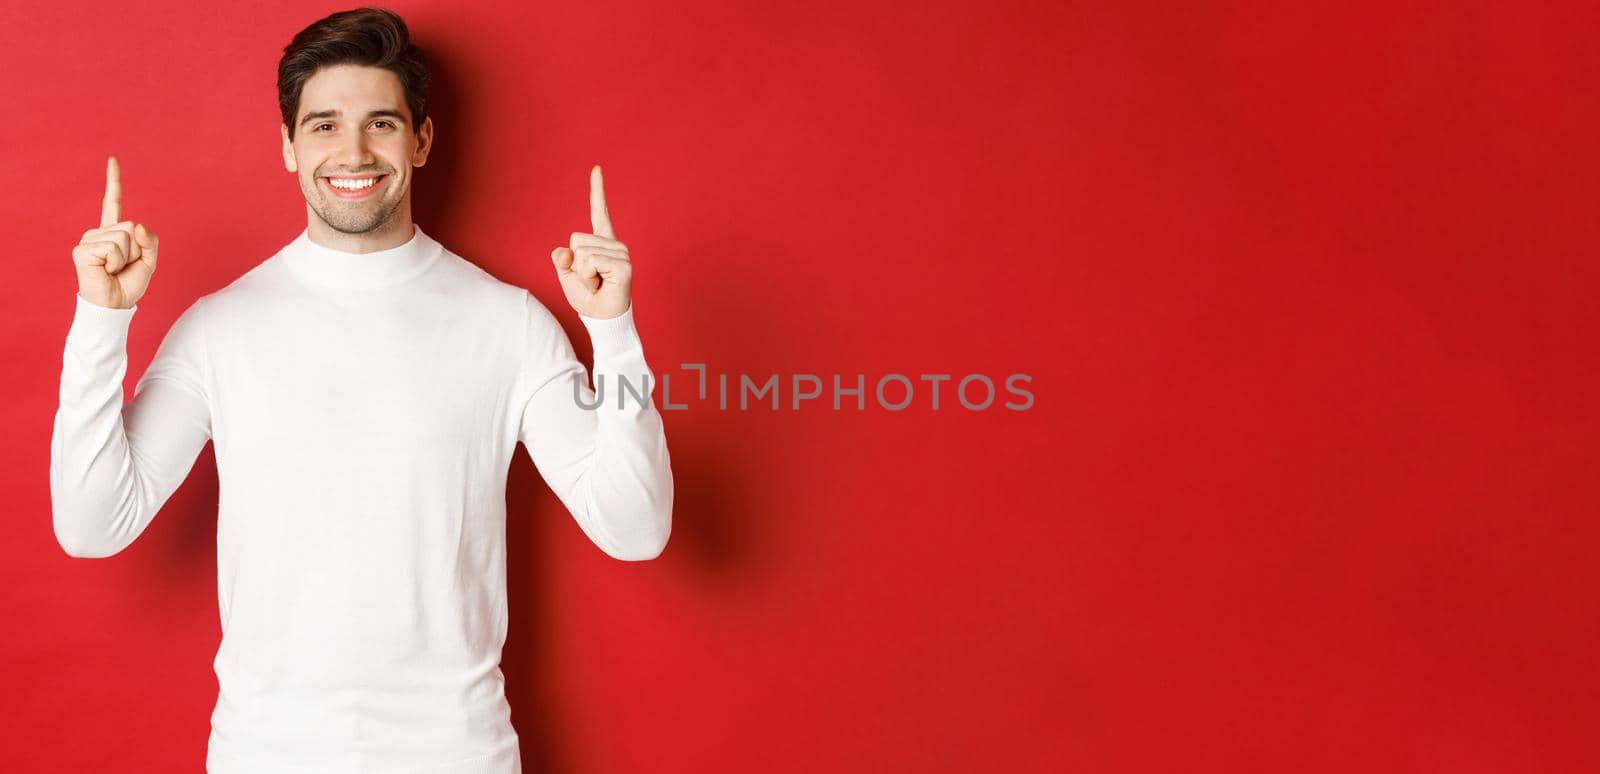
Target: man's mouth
351, 187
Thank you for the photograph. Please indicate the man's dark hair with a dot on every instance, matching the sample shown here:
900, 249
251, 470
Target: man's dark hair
375, 37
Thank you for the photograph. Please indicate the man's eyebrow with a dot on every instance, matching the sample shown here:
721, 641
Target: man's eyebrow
383, 113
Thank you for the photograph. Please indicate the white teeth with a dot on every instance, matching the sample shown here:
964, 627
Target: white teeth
352, 185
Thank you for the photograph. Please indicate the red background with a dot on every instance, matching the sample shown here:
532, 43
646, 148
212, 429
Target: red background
1307, 296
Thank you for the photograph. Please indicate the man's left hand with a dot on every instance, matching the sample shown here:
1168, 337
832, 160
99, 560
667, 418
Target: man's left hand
594, 269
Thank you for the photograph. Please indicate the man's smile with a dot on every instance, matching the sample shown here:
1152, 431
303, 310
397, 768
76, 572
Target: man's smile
351, 186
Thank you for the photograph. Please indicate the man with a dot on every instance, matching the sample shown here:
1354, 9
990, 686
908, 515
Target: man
364, 389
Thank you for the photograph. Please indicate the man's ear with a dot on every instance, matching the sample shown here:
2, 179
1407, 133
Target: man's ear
288, 150
424, 143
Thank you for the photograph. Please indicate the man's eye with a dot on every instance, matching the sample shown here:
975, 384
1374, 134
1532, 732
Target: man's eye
383, 122
319, 126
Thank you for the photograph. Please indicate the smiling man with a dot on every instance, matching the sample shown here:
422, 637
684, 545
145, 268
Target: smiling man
364, 389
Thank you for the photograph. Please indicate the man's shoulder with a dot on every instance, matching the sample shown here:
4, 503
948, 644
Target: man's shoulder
466, 281
240, 290
497, 300
468, 271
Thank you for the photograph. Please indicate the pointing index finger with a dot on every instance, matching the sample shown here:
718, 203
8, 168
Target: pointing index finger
599, 217
111, 206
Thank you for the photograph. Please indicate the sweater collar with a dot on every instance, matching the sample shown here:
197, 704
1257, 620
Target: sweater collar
332, 268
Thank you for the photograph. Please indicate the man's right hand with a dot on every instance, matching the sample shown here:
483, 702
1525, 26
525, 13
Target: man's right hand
116, 260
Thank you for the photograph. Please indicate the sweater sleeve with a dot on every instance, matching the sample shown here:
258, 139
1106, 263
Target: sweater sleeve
607, 463
113, 466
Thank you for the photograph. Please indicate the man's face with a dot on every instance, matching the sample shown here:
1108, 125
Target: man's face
354, 126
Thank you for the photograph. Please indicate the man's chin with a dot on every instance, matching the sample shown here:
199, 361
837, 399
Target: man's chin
349, 222
345, 226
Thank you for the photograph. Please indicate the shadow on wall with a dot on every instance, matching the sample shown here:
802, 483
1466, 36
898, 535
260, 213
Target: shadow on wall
432, 199
706, 511
713, 532
710, 525
183, 537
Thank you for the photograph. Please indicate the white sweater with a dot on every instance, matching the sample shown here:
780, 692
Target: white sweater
364, 411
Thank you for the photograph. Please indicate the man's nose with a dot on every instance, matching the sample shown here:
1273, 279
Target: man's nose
355, 153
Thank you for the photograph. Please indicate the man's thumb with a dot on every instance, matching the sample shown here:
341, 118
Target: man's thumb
562, 258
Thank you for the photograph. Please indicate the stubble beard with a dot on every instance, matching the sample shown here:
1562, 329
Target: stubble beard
357, 217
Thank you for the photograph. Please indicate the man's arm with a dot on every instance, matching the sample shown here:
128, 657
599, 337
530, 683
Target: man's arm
608, 464
113, 466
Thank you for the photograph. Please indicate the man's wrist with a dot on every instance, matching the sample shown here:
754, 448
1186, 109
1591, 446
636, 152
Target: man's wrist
611, 335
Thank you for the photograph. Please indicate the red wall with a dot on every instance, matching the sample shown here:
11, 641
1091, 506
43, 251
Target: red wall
1307, 298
